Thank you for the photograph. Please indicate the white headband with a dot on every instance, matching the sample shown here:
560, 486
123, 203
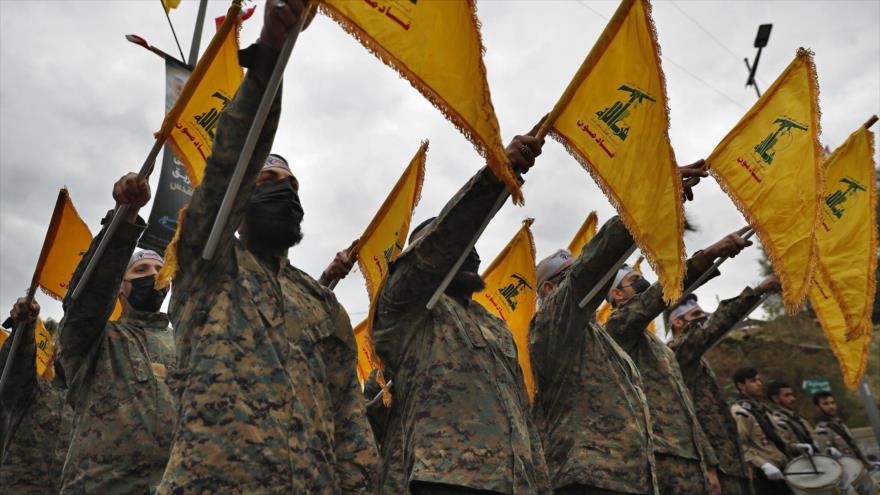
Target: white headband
683, 308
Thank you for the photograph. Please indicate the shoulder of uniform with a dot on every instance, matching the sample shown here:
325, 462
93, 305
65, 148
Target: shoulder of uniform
310, 283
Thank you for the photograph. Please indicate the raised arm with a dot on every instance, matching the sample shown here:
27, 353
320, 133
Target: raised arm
419, 270
558, 328
231, 132
22, 379
690, 347
84, 319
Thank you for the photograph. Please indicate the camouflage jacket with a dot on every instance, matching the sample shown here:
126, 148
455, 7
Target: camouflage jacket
590, 407
791, 426
675, 426
268, 392
460, 403
712, 411
115, 370
34, 425
831, 432
759, 444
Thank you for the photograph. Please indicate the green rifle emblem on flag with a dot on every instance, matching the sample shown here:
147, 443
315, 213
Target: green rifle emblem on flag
846, 188
510, 291
613, 116
766, 148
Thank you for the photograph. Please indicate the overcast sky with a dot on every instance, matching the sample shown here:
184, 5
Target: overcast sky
79, 104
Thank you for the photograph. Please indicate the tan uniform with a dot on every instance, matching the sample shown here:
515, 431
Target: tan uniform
792, 428
758, 447
831, 432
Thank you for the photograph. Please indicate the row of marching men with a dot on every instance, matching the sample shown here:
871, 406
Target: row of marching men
255, 390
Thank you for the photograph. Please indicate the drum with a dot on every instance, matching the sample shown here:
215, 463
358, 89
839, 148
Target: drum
857, 476
826, 479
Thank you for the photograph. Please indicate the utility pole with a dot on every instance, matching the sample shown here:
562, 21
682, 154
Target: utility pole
760, 42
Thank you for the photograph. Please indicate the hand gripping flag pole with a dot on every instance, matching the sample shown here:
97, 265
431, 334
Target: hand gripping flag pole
32, 290
708, 273
167, 125
250, 142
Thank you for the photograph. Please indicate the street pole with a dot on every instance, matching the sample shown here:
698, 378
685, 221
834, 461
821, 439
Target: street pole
197, 34
870, 406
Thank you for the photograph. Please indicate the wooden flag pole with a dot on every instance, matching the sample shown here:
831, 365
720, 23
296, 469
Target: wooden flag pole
35, 280
167, 125
690, 290
247, 150
871, 121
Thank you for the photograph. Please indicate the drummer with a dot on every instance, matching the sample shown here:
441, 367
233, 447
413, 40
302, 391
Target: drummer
832, 435
791, 426
763, 449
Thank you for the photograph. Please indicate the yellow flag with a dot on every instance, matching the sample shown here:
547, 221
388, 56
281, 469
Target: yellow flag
436, 46
3, 336
844, 287
381, 243
770, 165
67, 240
510, 293
193, 134
614, 120
170, 4
584, 234
45, 352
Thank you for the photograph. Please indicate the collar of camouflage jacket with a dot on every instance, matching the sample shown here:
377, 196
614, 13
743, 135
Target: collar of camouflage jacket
146, 319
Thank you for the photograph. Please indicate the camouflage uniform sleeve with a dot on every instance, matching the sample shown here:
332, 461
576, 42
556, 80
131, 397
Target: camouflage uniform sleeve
690, 348
231, 132
627, 323
417, 273
84, 319
355, 448
550, 342
22, 380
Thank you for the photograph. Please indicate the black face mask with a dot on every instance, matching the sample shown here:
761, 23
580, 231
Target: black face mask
640, 285
143, 296
467, 280
274, 216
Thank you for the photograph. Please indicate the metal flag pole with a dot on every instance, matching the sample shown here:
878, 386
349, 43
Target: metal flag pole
16, 341
499, 202
708, 273
250, 142
170, 120
51, 232
609, 275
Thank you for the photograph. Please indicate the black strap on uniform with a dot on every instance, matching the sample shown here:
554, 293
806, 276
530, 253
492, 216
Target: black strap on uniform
766, 427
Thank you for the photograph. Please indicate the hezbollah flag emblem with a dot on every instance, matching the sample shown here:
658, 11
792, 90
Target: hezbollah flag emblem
844, 284
770, 166
614, 120
510, 294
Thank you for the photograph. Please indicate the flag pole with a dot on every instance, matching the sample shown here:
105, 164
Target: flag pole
761, 301
708, 273
32, 290
254, 132
170, 120
499, 202
871, 121
609, 275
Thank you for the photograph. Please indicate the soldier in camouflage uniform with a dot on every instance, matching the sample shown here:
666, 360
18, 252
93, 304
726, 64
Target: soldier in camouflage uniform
763, 449
115, 370
685, 458
34, 418
460, 410
830, 433
695, 335
589, 405
268, 393
793, 428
